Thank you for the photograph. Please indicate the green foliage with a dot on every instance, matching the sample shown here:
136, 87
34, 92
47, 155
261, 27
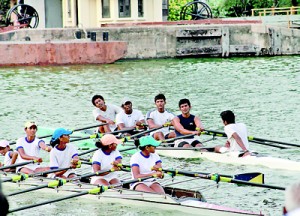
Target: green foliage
234, 8
175, 7
4, 7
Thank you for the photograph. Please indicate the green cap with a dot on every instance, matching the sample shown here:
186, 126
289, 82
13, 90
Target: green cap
148, 140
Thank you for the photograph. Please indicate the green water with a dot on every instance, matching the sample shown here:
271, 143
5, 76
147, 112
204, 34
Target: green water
263, 92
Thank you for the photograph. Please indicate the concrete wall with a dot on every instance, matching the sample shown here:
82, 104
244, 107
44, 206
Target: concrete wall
184, 40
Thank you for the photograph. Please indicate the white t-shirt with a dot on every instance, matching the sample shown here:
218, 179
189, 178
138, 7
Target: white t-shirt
62, 158
110, 113
160, 119
241, 130
30, 148
104, 160
129, 120
144, 163
8, 159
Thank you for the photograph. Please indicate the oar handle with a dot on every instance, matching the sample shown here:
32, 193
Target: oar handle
146, 131
180, 137
17, 165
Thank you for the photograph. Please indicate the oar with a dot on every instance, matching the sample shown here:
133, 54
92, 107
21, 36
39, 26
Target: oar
88, 161
22, 177
74, 130
93, 191
176, 138
251, 139
18, 164
144, 132
59, 182
180, 148
220, 178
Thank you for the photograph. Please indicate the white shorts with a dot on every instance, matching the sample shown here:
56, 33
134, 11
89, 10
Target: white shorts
107, 177
224, 149
148, 183
32, 166
66, 174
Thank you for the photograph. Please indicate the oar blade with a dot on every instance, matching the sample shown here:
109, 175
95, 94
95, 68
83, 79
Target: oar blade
254, 177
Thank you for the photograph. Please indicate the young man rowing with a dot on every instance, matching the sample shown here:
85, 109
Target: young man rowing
237, 137
105, 113
158, 117
186, 124
129, 118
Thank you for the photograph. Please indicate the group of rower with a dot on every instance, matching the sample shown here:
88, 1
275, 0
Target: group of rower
159, 117
143, 164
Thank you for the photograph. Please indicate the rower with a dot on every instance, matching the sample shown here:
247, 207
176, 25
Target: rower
237, 138
63, 155
186, 124
146, 163
129, 118
107, 157
29, 147
159, 117
106, 113
10, 156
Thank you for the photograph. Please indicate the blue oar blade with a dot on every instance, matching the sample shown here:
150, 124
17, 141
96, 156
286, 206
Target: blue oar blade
255, 177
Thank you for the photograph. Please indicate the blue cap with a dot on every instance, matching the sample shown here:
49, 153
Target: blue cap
148, 140
59, 132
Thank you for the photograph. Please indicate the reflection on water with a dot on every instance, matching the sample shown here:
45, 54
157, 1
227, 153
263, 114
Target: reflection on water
263, 92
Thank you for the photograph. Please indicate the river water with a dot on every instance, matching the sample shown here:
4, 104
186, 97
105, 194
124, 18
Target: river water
264, 93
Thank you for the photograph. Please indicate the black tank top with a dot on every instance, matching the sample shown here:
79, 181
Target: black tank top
187, 123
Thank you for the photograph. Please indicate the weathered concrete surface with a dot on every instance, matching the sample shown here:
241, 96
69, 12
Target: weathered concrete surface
60, 53
163, 41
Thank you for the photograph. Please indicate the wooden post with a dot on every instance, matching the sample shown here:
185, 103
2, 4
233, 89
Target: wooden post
292, 10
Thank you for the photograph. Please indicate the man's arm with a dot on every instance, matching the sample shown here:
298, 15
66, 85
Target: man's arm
180, 129
198, 123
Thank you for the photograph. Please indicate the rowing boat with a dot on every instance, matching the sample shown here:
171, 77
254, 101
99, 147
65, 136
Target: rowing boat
229, 158
270, 162
178, 200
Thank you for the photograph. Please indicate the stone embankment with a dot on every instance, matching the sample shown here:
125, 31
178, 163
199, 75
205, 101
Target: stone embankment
216, 37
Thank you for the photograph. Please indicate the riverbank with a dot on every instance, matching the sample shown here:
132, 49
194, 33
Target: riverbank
215, 37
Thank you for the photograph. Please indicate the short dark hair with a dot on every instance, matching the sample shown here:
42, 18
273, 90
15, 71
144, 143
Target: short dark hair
184, 101
228, 116
160, 97
96, 97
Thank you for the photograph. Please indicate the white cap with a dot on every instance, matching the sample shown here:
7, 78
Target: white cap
126, 99
4, 143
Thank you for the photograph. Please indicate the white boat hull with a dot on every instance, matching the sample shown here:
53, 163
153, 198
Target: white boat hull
132, 198
270, 162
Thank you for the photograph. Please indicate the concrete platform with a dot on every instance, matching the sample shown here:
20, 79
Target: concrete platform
49, 52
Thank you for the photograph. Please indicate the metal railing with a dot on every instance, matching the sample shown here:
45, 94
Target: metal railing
276, 11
